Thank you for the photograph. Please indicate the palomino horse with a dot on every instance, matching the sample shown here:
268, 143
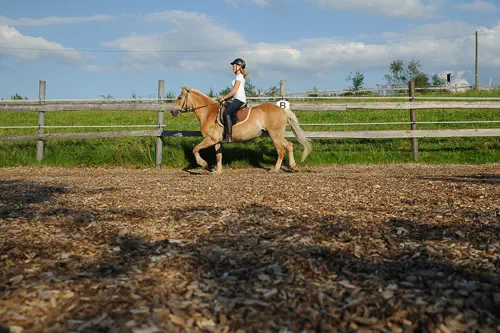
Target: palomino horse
263, 118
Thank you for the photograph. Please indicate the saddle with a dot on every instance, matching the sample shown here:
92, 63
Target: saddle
239, 117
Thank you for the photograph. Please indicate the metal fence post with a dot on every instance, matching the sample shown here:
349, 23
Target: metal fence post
159, 142
41, 120
413, 119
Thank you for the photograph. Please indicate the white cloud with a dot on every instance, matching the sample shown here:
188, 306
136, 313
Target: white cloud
191, 33
489, 46
413, 9
447, 28
29, 22
209, 47
275, 5
478, 5
196, 42
27, 48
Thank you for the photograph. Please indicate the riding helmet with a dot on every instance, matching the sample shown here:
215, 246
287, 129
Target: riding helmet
239, 61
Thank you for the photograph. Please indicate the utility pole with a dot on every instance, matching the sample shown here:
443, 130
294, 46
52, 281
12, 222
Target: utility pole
476, 86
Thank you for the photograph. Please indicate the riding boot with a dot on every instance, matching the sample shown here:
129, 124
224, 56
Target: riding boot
228, 129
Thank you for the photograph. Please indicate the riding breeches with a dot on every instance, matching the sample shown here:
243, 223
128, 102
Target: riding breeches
232, 107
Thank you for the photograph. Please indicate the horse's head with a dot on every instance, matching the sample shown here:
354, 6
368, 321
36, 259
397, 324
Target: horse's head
182, 104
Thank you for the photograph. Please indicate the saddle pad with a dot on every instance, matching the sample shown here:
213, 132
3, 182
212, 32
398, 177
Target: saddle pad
242, 116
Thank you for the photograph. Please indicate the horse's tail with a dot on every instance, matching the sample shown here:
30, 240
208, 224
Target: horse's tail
299, 133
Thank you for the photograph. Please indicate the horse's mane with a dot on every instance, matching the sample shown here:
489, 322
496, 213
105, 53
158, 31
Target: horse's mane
200, 93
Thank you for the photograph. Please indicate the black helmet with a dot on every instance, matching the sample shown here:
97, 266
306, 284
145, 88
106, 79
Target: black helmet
239, 61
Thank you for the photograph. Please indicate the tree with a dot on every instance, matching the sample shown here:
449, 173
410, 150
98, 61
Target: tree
315, 92
225, 91
272, 91
17, 97
133, 96
170, 95
416, 74
251, 90
357, 81
399, 76
421, 80
414, 68
437, 81
211, 93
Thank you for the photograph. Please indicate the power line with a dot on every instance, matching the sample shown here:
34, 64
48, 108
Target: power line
222, 50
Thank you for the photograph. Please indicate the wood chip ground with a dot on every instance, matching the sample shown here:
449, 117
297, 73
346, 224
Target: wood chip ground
389, 248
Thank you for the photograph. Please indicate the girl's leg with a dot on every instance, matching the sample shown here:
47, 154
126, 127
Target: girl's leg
228, 123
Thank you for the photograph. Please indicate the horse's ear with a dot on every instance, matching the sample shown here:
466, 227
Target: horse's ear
183, 88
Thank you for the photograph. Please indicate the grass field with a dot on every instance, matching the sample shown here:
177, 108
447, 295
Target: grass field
139, 152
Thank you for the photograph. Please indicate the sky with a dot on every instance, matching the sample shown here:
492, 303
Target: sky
85, 49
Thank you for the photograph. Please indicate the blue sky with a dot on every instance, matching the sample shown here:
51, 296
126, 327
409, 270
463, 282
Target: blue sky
84, 49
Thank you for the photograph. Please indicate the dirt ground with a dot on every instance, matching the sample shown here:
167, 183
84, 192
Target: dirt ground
392, 248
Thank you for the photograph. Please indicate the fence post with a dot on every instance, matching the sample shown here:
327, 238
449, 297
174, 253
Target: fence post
476, 77
282, 88
159, 142
41, 120
413, 119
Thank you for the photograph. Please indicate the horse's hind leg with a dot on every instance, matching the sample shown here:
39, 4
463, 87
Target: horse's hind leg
207, 142
291, 159
278, 143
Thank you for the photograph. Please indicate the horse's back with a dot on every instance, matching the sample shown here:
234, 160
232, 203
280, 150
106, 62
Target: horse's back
270, 116
269, 106
269, 109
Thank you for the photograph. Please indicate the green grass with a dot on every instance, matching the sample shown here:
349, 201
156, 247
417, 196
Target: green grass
139, 152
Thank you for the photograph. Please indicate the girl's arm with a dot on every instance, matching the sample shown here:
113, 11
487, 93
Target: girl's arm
232, 92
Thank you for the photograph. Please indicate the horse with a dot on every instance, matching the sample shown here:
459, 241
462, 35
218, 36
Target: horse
263, 118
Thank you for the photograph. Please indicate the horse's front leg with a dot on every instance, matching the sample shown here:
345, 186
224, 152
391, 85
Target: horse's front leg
207, 142
218, 155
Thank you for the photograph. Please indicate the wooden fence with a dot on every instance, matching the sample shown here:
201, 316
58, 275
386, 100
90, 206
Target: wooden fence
161, 105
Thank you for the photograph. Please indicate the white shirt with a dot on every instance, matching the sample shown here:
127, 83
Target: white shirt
240, 93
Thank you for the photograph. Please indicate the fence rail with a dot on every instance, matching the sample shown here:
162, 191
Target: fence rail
161, 105
397, 134
304, 106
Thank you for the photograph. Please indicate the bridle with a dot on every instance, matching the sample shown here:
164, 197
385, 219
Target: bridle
184, 107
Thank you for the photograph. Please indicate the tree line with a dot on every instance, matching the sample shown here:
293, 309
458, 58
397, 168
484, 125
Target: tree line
399, 75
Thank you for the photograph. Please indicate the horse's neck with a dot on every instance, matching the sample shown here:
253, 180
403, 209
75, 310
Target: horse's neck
202, 99
206, 114
207, 106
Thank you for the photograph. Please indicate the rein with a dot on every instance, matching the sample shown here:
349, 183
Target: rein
184, 103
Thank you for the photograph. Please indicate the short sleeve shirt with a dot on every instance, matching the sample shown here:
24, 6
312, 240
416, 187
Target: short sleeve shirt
240, 93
